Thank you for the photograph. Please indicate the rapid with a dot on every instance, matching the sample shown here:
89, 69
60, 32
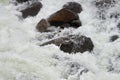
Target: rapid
21, 57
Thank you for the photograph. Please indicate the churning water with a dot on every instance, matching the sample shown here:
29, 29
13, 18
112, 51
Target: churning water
21, 57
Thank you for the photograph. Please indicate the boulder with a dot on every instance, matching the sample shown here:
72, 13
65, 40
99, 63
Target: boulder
63, 16
42, 25
113, 38
73, 6
72, 43
31, 10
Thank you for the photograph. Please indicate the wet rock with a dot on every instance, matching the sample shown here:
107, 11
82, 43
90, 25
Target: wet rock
118, 26
73, 43
63, 16
57, 41
31, 10
104, 3
21, 1
76, 23
114, 37
67, 46
42, 25
73, 6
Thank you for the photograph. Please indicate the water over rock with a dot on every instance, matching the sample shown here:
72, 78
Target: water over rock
72, 43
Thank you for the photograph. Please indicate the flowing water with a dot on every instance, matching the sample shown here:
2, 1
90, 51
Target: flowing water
21, 57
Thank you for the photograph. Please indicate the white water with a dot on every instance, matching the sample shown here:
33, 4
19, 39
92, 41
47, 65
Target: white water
21, 57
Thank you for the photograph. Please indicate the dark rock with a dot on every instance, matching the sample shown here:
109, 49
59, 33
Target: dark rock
115, 15
63, 16
73, 44
65, 25
77, 44
21, 1
104, 3
118, 26
114, 37
67, 46
31, 10
42, 25
73, 6
76, 23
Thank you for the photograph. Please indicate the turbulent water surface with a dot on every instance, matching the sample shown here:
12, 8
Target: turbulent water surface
21, 57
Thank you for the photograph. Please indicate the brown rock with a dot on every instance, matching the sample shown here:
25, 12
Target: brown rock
73, 6
42, 25
61, 17
31, 10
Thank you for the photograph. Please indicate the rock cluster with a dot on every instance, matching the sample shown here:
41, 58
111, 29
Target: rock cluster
65, 17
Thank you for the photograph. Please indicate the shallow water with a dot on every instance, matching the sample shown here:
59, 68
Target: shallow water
21, 57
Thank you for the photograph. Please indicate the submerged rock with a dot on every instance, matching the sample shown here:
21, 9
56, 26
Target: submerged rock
104, 3
73, 6
31, 10
42, 25
73, 43
63, 16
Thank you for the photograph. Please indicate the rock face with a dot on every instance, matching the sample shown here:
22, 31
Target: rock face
63, 16
31, 10
42, 25
73, 44
73, 6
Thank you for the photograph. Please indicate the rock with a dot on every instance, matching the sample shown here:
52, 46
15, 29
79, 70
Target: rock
73, 6
57, 41
67, 46
118, 26
42, 25
104, 3
114, 37
63, 16
77, 44
73, 43
76, 23
21, 1
31, 10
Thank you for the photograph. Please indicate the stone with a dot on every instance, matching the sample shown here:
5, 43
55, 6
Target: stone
113, 38
77, 44
21, 1
76, 23
72, 43
73, 6
57, 41
63, 16
42, 25
31, 10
